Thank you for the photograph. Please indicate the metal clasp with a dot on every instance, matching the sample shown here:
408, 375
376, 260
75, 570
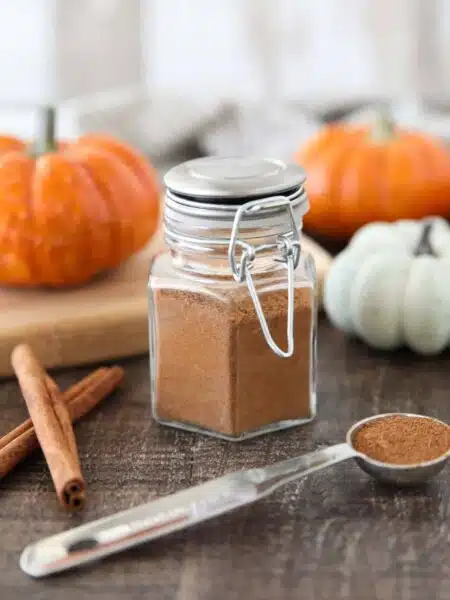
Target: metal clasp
289, 246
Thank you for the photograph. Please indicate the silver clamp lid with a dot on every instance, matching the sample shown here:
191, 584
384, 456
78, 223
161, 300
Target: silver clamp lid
233, 179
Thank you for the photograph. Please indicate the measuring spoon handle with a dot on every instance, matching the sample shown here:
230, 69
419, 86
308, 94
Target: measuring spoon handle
270, 478
168, 514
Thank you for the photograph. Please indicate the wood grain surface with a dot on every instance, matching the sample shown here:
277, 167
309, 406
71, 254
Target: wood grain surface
335, 535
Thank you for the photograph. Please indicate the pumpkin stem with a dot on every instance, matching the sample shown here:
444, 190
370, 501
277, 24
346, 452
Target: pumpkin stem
424, 247
384, 127
46, 139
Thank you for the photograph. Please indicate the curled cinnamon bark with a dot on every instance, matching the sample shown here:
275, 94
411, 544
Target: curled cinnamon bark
80, 398
50, 426
49, 416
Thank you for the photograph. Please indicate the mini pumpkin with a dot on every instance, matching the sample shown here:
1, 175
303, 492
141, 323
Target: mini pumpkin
391, 286
71, 210
358, 174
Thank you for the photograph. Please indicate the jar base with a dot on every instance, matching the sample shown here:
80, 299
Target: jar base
273, 427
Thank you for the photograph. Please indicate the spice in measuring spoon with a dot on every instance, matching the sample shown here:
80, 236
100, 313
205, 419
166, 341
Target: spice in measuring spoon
403, 440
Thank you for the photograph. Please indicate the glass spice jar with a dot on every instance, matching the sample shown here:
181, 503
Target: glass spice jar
232, 302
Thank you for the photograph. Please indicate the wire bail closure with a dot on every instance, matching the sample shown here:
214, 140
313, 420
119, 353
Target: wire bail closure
288, 245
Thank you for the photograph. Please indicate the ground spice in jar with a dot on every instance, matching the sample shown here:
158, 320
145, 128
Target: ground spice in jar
215, 369
403, 440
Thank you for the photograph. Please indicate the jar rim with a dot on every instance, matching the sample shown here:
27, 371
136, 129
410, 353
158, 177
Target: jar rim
194, 223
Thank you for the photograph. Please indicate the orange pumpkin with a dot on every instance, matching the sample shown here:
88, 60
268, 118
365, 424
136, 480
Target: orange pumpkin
71, 210
356, 175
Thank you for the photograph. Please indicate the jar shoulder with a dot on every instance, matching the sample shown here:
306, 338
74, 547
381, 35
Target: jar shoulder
164, 275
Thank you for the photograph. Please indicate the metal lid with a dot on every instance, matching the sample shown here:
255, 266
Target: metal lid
233, 180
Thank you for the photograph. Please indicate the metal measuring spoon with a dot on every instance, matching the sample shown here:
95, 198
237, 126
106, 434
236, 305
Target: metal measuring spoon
158, 518
401, 475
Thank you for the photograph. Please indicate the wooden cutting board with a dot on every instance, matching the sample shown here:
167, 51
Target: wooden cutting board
104, 320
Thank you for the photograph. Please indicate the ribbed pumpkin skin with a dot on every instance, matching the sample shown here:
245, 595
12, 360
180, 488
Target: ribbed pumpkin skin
352, 179
70, 214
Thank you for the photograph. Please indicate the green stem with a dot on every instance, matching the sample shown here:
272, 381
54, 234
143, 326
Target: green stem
384, 128
46, 138
424, 247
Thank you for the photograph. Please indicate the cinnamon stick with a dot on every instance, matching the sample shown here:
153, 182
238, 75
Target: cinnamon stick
68, 396
102, 386
80, 398
62, 414
50, 417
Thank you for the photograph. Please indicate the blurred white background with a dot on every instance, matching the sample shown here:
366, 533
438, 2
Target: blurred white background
237, 74
317, 52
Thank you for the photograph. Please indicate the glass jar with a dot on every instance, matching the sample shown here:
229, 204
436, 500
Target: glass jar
232, 302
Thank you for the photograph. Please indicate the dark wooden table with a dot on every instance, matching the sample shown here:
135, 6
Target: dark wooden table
335, 535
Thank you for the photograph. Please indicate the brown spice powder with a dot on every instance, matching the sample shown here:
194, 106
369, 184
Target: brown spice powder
403, 440
215, 369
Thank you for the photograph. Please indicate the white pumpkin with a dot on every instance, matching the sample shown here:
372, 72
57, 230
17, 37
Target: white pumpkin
391, 286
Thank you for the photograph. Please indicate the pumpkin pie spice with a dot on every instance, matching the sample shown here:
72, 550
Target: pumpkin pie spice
215, 369
403, 440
